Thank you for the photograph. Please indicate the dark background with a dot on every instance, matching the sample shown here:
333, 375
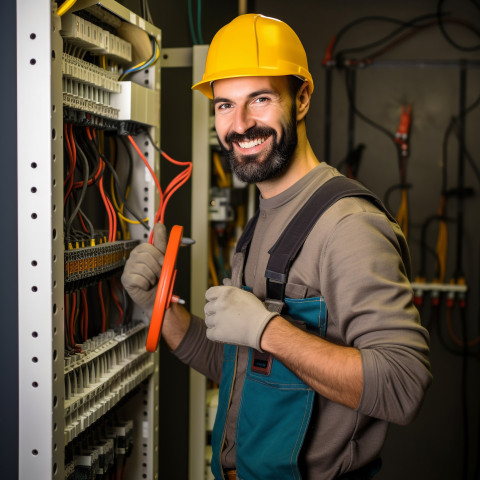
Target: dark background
434, 446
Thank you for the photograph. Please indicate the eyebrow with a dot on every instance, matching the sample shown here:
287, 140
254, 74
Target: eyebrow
265, 91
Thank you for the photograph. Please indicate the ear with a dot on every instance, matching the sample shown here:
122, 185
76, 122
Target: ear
303, 101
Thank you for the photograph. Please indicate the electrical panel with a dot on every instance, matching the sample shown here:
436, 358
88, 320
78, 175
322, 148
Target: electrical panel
88, 116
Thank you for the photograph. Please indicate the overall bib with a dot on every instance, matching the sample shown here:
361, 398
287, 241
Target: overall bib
276, 405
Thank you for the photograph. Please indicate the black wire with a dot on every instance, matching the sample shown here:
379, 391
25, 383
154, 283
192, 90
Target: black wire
464, 393
122, 198
125, 305
424, 246
125, 144
364, 117
441, 337
390, 190
394, 33
82, 139
90, 225
448, 131
82, 192
447, 36
119, 189
128, 182
158, 149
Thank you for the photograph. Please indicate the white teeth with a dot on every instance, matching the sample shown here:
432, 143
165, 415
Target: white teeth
251, 143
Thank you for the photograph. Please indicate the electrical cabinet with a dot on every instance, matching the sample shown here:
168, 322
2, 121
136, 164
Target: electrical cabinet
88, 390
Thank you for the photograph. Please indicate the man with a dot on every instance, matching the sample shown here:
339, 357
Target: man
313, 364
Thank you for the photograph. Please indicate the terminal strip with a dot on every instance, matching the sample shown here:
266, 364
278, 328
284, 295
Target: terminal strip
87, 262
108, 368
88, 88
84, 34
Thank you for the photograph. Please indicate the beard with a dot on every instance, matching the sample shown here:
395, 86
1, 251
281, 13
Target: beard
251, 168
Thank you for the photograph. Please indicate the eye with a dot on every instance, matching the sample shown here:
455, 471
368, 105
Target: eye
261, 99
224, 106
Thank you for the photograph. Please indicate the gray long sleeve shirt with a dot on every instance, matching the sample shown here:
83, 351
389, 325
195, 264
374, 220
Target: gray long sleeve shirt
358, 261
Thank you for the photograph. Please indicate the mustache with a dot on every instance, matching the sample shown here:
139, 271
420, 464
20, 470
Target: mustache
250, 134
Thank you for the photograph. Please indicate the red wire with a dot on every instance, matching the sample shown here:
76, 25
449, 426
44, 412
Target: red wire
91, 180
73, 158
112, 216
84, 227
84, 314
115, 299
72, 318
66, 316
172, 187
74, 152
70, 154
176, 183
152, 173
102, 305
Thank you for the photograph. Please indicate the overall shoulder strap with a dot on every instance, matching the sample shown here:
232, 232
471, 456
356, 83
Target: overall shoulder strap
288, 245
247, 234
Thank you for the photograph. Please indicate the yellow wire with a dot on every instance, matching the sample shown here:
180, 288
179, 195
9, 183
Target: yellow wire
211, 267
442, 242
223, 180
141, 64
441, 249
119, 208
65, 7
134, 222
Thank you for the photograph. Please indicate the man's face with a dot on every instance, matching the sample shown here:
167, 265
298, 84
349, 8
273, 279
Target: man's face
255, 119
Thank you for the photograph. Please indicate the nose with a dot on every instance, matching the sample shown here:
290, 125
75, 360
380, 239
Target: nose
243, 120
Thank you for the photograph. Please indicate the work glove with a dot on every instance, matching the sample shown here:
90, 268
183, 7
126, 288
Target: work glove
142, 269
235, 316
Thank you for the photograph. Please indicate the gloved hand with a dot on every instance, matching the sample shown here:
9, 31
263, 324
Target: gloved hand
235, 316
143, 267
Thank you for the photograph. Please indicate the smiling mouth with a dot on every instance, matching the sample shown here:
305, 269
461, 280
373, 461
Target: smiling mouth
252, 143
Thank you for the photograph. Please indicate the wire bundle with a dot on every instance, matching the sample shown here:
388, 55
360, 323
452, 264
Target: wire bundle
172, 187
92, 310
145, 64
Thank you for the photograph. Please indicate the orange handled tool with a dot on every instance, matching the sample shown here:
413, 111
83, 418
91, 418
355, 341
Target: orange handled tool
165, 287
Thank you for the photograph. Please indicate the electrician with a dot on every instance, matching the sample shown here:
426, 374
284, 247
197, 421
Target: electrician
316, 359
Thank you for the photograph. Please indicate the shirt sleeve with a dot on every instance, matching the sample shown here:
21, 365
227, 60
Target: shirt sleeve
200, 353
366, 287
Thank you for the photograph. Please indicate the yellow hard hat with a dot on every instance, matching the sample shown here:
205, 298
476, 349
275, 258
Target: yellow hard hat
253, 45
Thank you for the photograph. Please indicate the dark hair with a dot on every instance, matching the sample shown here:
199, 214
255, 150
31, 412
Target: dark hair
294, 85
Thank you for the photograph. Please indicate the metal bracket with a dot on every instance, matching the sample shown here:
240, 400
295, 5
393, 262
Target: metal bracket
177, 57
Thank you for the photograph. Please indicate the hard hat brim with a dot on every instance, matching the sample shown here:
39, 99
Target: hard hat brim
205, 85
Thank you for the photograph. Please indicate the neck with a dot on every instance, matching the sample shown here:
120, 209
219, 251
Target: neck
303, 160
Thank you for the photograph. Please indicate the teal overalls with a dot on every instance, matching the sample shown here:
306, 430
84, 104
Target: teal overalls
276, 405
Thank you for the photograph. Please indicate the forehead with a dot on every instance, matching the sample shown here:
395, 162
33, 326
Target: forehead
245, 86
